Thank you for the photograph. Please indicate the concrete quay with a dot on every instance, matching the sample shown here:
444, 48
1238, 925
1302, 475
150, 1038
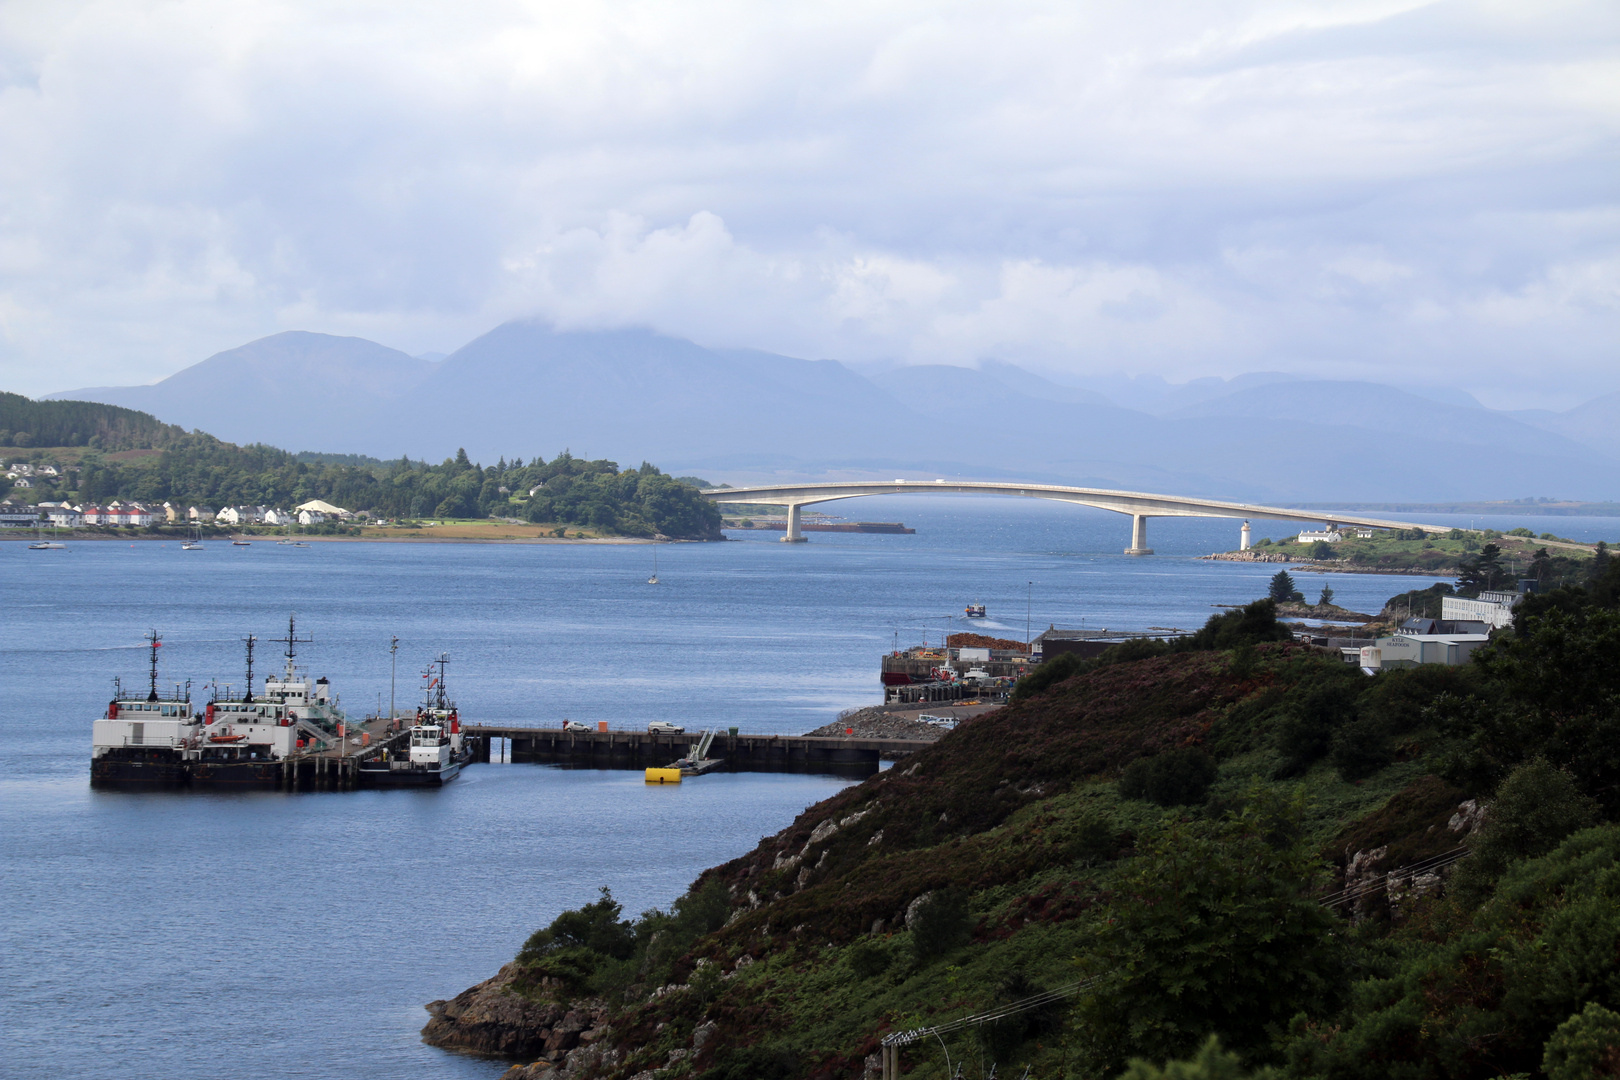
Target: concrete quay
640, 749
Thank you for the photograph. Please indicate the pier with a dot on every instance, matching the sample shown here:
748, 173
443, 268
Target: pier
640, 749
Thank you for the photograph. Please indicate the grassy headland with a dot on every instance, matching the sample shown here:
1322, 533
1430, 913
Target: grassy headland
1175, 824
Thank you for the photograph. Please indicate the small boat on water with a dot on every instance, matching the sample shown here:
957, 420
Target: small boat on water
654, 579
42, 544
437, 749
975, 611
194, 541
239, 542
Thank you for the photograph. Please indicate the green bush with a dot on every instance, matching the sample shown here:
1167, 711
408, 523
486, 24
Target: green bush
1174, 778
869, 958
1214, 929
1535, 808
1585, 1046
941, 925
1210, 1063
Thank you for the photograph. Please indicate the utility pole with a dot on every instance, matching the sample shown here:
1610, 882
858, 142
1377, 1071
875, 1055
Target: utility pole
393, 667
1029, 601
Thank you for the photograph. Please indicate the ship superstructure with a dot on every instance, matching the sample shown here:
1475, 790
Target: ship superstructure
144, 739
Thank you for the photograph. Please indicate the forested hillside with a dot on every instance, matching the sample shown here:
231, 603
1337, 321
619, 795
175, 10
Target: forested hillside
196, 469
1411, 875
27, 423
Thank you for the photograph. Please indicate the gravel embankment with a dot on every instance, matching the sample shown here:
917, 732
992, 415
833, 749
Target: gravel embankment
876, 724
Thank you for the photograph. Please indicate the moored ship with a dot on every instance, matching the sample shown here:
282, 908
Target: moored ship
245, 742
436, 750
144, 741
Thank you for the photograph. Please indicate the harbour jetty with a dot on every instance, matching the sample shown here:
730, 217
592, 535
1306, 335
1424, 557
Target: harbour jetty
600, 749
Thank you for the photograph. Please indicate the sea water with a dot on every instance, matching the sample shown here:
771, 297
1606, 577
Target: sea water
269, 934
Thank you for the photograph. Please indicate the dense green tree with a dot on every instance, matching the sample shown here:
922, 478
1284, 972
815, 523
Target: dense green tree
1282, 588
1477, 573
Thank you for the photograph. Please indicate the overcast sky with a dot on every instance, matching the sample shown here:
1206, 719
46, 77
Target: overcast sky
1421, 193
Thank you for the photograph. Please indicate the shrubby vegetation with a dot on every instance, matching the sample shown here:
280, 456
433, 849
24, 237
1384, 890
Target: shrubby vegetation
1165, 819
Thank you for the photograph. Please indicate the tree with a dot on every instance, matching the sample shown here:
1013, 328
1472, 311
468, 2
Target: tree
1584, 1046
1173, 778
1283, 589
1483, 571
1214, 930
1326, 598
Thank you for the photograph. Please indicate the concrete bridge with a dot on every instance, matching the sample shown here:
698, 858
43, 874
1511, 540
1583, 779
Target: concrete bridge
1138, 504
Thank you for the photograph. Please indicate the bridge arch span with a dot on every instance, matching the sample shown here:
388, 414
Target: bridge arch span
1139, 505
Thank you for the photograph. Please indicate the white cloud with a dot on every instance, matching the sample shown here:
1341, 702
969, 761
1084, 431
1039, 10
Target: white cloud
1408, 190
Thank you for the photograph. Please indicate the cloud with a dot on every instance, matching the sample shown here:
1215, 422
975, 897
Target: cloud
1421, 191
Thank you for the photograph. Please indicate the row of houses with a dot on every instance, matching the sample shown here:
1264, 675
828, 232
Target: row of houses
138, 515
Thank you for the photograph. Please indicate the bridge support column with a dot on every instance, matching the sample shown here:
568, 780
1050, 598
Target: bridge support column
1138, 536
1244, 538
794, 536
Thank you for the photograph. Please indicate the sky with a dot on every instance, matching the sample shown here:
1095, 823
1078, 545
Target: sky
1420, 193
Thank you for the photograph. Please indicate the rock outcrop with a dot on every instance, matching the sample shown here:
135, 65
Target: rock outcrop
492, 1018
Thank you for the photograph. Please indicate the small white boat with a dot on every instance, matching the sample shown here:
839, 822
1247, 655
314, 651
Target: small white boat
42, 544
654, 579
194, 541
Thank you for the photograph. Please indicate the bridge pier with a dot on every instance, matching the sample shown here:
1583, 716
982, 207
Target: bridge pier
1138, 536
794, 536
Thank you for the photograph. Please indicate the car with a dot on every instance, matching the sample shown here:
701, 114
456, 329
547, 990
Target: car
575, 725
659, 727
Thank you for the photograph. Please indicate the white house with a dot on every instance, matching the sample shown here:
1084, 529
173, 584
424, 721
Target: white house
1311, 536
22, 482
279, 517
310, 517
240, 515
326, 509
65, 517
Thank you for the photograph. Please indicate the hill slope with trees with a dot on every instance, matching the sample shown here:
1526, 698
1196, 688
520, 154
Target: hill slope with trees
1238, 839
196, 469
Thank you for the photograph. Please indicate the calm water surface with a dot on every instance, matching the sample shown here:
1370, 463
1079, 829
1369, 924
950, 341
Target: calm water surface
193, 935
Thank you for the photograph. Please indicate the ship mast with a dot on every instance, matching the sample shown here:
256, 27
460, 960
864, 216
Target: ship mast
292, 640
444, 658
155, 640
247, 695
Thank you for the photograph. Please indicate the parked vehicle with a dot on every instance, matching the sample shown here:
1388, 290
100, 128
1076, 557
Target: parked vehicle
660, 727
575, 725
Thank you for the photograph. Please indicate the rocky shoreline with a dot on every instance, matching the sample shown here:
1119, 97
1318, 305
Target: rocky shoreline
493, 1019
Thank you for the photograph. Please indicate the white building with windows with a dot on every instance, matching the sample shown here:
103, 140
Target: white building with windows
1495, 609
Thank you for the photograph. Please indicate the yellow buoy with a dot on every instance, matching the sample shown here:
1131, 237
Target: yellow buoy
663, 776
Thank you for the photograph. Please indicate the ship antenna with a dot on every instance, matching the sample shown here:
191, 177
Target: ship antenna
247, 695
292, 640
118, 688
444, 658
152, 694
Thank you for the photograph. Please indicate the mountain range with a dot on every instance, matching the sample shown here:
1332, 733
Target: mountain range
746, 416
